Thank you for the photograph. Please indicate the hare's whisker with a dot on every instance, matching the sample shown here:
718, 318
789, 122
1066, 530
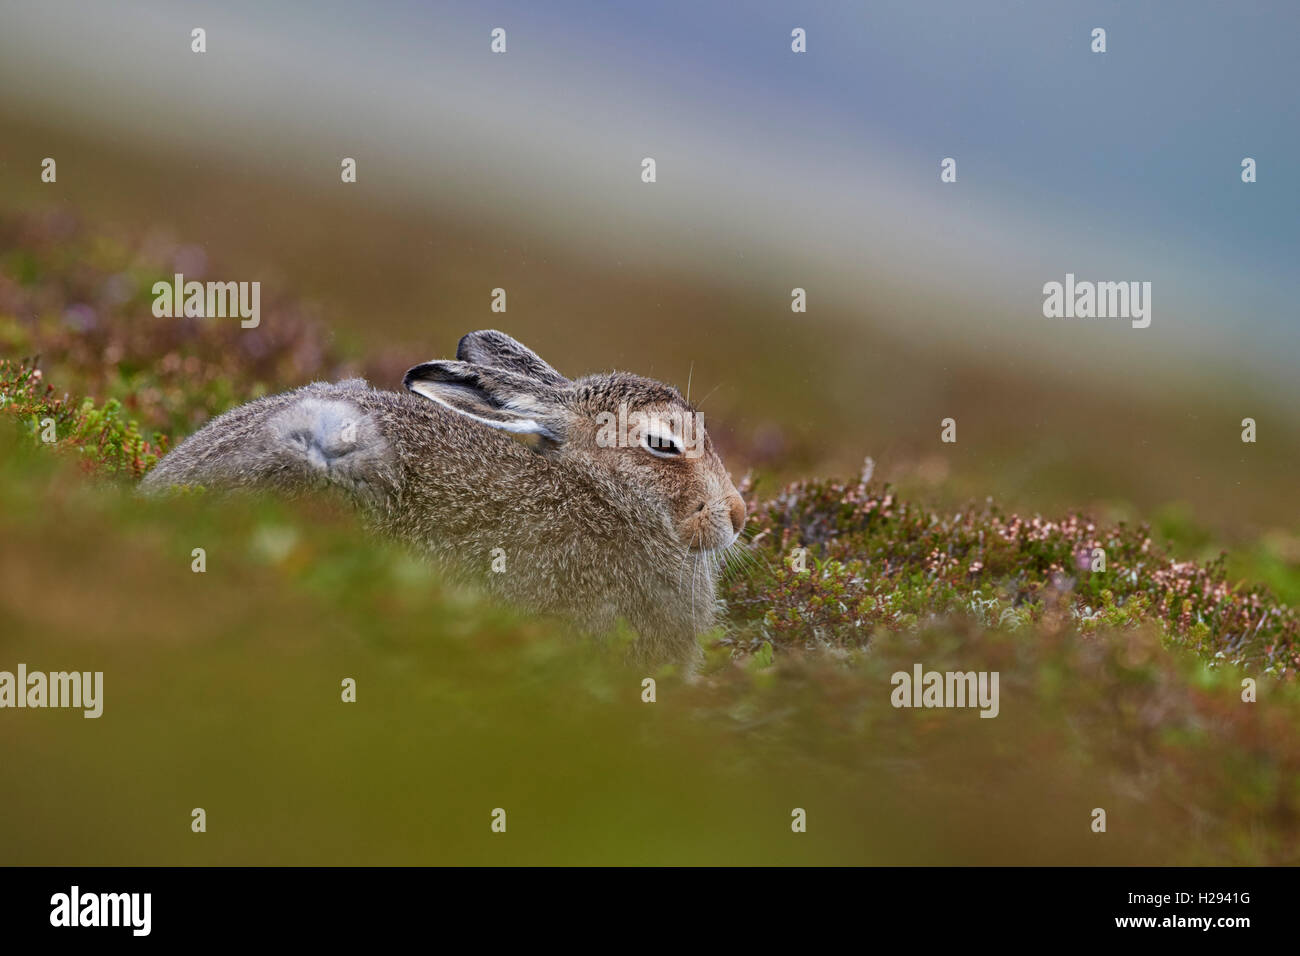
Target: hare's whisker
706, 397
685, 555
695, 572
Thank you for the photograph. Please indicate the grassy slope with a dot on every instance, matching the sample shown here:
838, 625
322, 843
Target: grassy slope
223, 687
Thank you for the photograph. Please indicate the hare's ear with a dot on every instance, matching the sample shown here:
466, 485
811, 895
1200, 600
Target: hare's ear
496, 397
498, 350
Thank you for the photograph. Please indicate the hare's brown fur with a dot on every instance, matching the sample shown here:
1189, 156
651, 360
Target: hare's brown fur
585, 530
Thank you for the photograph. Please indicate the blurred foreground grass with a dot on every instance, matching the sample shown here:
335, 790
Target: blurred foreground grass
222, 691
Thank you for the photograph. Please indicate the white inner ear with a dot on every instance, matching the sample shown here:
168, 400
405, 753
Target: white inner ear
519, 426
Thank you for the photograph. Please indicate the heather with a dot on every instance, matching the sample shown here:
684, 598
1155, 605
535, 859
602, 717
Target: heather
873, 562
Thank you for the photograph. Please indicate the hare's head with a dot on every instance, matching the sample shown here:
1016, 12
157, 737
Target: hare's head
637, 434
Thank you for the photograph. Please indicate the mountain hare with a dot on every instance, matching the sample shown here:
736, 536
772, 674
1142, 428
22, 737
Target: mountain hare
621, 509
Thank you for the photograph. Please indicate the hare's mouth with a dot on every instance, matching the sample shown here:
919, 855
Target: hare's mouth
713, 544
732, 538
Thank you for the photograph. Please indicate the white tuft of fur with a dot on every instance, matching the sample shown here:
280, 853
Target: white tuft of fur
334, 439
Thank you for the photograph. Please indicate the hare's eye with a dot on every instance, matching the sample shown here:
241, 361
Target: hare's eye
664, 446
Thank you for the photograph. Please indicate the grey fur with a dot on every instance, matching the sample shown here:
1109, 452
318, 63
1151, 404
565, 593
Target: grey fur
590, 532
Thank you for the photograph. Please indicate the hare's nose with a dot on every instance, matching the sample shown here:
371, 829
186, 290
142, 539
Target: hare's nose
737, 513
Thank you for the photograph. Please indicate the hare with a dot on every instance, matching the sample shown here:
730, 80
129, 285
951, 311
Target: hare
619, 509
